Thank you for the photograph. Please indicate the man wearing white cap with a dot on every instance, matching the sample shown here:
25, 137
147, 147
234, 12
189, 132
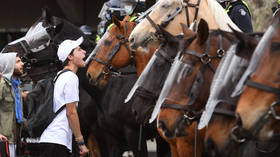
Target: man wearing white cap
56, 140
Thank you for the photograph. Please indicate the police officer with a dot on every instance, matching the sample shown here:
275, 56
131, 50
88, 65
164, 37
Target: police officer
118, 8
275, 7
239, 12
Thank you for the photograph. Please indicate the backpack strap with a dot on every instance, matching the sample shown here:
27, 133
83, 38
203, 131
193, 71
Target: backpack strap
62, 107
63, 71
59, 110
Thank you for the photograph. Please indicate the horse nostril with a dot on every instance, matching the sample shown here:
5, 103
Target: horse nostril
162, 125
89, 76
131, 40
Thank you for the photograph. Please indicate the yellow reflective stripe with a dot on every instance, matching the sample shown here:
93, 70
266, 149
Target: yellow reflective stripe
97, 38
247, 7
110, 26
133, 18
228, 8
278, 1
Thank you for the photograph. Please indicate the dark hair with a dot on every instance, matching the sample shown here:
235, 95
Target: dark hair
65, 63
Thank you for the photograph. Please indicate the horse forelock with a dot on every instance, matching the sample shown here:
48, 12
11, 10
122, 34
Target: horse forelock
221, 17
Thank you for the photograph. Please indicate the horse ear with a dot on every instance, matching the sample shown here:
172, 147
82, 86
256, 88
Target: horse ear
202, 32
167, 36
116, 21
45, 14
126, 18
244, 39
227, 35
187, 32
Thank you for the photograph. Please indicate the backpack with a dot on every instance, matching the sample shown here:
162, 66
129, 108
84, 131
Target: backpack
40, 106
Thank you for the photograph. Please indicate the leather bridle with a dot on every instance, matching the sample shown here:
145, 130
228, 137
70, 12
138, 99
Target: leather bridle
206, 60
171, 16
239, 134
111, 70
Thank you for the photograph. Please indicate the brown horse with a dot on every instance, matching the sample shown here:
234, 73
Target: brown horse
170, 13
188, 95
113, 52
257, 120
224, 111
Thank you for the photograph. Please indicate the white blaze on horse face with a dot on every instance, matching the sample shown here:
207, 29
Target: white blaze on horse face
143, 35
216, 87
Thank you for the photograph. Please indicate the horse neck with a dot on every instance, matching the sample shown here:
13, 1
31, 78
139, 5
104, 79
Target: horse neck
206, 13
142, 59
216, 11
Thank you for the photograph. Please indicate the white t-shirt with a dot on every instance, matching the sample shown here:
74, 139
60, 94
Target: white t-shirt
66, 90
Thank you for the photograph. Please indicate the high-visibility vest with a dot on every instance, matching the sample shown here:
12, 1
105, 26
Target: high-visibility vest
243, 2
131, 19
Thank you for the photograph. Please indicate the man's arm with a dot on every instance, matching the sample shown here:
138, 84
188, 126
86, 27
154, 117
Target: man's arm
74, 123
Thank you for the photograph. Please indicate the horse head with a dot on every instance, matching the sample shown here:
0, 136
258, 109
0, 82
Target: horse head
187, 87
170, 13
151, 80
218, 139
112, 52
38, 47
155, 73
258, 105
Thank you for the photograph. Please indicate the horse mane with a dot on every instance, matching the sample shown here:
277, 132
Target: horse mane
220, 13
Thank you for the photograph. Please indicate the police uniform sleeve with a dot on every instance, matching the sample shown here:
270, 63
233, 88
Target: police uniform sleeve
241, 17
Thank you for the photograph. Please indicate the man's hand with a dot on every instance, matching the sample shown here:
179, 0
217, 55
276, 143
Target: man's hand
2, 137
24, 94
83, 150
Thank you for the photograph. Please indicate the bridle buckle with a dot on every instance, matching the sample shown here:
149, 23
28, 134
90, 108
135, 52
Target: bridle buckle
205, 58
235, 132
273, 112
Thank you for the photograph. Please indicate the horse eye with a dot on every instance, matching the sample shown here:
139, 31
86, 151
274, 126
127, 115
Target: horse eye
165, 6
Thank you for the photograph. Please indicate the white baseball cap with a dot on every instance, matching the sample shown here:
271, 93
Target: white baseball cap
65, 48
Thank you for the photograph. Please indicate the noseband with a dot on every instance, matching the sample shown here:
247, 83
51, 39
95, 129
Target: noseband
112, 71
240, 135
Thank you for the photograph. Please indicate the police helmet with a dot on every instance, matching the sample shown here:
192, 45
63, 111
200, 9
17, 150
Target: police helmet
112, 7
87, 30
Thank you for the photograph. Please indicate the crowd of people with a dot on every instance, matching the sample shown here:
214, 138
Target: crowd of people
56, 140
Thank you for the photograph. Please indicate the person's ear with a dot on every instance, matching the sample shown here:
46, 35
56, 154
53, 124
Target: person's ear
70, 57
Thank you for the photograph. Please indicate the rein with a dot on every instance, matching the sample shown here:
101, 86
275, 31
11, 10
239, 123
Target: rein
112, 70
